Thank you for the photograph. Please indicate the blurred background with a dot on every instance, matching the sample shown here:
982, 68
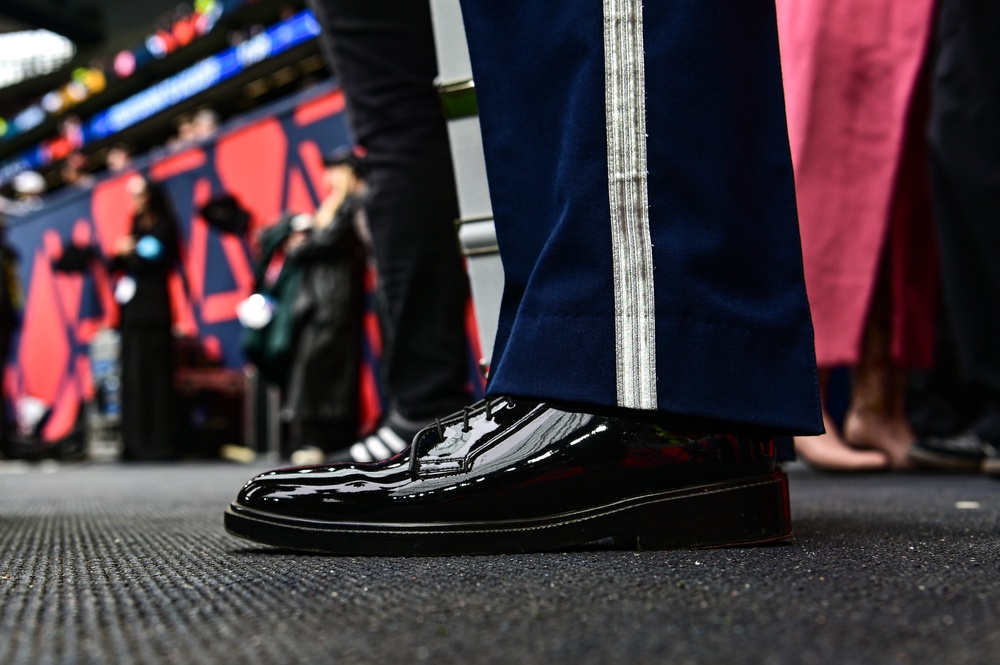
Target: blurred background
222, 102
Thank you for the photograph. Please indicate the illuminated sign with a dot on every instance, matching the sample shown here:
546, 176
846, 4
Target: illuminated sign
200, 77
169, 92
124, 64
29, 118
90, 81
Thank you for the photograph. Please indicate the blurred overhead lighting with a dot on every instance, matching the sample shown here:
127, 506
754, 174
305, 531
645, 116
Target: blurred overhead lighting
124, 64
158, 45
31, 53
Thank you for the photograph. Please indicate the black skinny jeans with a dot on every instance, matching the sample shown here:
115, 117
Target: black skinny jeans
965, 170
383, 55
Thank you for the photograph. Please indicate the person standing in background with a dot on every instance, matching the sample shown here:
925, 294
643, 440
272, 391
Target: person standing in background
965, 171
119, 157
145, 258
382, 54
74, 172
856, 95
204, 123
322, 393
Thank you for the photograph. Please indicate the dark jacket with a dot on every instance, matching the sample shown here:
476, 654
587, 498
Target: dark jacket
150, 306
323, 383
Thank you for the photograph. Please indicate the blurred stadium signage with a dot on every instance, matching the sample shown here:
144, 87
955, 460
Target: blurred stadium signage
185, 27
178, 88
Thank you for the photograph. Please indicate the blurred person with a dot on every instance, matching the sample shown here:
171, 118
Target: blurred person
74, 172
321, 400
185, 132
71, 128
28, 186
654, 335
857, 105
68, 139
204, 124
119, 157
145, 257
965, 169
185, 129
385, 62
304, 319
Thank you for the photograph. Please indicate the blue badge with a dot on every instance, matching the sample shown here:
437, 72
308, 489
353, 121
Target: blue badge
149, 248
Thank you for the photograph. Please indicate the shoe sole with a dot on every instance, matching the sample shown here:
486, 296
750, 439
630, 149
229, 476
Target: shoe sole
747, 511
944, 462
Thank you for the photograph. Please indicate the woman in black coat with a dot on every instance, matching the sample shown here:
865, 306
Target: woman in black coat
321, 399
146, 256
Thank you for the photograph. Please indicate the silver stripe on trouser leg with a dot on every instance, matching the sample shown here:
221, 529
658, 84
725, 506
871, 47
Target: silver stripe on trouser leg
625, 99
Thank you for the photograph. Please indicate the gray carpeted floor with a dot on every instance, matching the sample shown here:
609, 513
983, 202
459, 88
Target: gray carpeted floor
131, 565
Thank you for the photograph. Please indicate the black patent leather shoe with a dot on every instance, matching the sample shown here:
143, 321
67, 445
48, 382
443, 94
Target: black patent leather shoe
511, 475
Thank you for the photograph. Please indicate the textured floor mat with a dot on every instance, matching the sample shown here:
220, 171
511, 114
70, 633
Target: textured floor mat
131, 565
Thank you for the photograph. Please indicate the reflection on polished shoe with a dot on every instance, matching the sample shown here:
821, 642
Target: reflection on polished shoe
510, 475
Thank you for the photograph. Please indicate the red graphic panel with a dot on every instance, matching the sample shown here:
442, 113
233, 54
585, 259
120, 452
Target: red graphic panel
52, 312
182, 162
46, 350
299, 199
64, 310
64, 413
184, 321
322, 107
311, 156
111, 210
252, 166
195, 254
269, 165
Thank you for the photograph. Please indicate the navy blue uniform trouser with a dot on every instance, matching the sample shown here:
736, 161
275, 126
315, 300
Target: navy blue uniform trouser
642, 187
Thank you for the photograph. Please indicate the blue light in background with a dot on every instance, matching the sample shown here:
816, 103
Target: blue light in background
180, 87
200, 77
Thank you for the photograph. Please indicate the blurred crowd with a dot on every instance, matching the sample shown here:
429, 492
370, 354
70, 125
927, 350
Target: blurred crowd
77, 170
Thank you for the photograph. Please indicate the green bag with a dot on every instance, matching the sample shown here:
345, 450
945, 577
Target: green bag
271, 348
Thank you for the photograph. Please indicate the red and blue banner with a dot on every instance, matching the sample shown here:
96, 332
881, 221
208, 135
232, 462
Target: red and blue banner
270, 163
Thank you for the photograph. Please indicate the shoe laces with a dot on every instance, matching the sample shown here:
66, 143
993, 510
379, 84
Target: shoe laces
467, 412
487, 406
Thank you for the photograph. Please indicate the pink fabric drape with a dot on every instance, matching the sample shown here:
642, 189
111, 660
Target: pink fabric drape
856, 126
